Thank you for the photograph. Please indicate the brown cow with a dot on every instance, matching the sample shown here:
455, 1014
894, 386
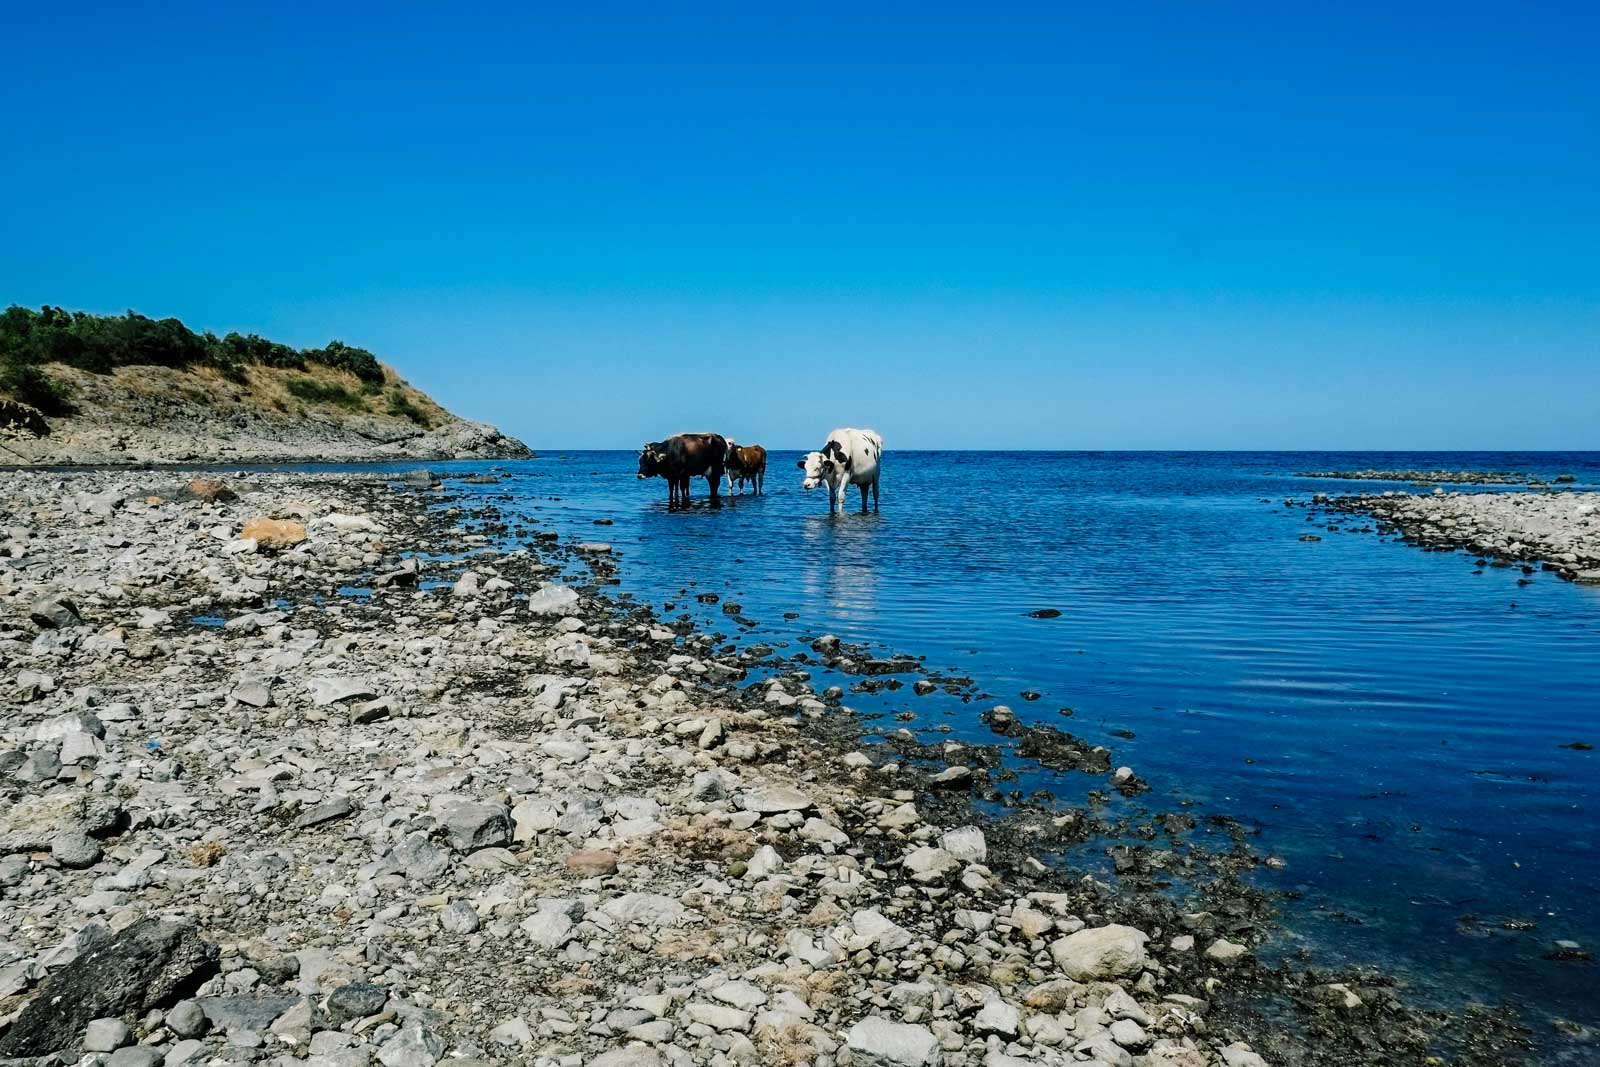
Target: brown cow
684, 456
746, 462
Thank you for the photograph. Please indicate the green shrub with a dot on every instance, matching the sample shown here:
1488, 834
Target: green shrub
29, 385
101, 343
400, 404
315, 392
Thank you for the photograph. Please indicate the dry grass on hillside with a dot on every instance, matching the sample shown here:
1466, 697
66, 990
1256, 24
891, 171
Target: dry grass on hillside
317, 390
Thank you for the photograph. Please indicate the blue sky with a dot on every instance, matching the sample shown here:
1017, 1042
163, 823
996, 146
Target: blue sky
1180, 226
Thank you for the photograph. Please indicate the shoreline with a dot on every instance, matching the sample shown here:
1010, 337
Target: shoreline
657, 861
1558, 531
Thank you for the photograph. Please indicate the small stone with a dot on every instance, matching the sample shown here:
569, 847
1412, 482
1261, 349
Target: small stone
469, 825
335, 807
966, 844
332, 690
1226, 952
513, 1033
927, 865
74, 848
106, 1035
593, 862
187, 1020
273, 533
717, 1016
414, 1046
55, 613
459, 918
878, 1042
997, 1017
775, 801
743, 995
209, 490
552, 600
355, 1000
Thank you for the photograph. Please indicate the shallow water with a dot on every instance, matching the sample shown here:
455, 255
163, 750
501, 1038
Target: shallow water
1389, 719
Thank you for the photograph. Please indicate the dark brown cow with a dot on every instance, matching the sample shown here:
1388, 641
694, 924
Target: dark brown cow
684, 456
746, 462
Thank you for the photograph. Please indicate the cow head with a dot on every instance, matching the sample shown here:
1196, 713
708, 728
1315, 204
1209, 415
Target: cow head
831, 465
813, 465
652, 457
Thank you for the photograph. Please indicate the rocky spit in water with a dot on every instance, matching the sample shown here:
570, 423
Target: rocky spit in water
1560, 531
374, 787
1432, 477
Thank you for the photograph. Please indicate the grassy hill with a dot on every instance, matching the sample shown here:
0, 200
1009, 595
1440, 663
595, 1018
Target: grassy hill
81, 388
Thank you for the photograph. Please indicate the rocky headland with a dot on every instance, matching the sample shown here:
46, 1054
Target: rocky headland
143, 415
1432, 477
1559, 531
333, 770
98, 390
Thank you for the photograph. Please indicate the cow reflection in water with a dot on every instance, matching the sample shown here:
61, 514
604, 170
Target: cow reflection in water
682, 457
840, 565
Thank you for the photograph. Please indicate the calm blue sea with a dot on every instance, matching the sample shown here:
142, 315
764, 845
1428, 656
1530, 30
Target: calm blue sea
1391, 721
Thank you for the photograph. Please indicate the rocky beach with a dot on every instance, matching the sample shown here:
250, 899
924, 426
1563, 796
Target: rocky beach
1560, 531
333, 770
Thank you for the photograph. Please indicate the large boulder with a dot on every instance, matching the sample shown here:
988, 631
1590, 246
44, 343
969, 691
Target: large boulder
1102, 952
149, 965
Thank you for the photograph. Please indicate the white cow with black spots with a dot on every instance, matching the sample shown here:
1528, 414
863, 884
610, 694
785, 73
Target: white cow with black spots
851, 457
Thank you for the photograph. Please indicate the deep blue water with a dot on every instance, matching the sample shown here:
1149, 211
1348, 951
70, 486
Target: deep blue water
1391, 721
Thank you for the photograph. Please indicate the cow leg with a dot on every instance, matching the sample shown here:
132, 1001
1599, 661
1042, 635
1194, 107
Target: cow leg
874, 492
714, 480
864, 487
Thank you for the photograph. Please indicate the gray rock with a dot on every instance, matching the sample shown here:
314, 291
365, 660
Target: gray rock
55, 613
635, 1055
776, 800
106, 1035
76, 849
965, 844
997, 1017
186, 1019
459, 918
136, 1056
470, 825
13, 869
146, 966
551, 925
335, 807
1226, 952
414, 1046
419, 859
552, 600
646, 909
879, 1042
243, 1013
929, 865
187, 1051
332, 689
1101, 952
355, 1000
31, 685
